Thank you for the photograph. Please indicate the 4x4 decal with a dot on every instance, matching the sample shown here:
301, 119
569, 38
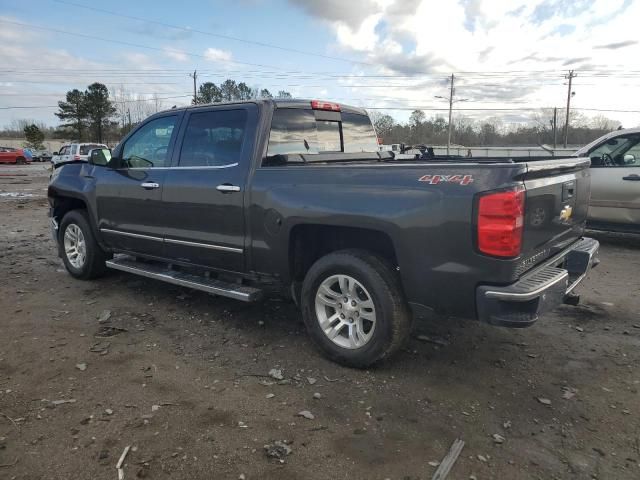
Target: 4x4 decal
436, 179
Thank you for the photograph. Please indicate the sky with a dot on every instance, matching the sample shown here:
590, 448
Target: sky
509, 57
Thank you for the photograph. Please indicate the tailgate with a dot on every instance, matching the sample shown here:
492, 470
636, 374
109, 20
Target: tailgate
556, 206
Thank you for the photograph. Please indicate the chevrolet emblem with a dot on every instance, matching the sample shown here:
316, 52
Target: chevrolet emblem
566, 213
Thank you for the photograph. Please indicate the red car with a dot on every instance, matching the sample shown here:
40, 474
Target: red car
14, 155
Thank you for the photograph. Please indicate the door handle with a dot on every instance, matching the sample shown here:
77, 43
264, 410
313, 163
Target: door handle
633, 177
150, 185
227, 188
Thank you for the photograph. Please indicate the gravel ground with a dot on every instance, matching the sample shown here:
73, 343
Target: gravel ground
183, 378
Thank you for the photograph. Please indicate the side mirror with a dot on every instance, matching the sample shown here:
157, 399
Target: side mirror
629, 159
55, 153
99, 156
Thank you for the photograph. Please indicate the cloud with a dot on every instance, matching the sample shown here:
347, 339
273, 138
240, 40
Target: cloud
472, 13
617, 45
516, 12
564, 29
409, 63
176, 55
573, 61
552, 8
484, 54
61, 69
217, 55
348, 12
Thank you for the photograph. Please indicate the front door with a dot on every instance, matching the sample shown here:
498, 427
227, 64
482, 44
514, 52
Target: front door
204, 191
129, 190
615, 181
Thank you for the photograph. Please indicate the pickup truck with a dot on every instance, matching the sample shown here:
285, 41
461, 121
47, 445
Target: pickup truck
292, 197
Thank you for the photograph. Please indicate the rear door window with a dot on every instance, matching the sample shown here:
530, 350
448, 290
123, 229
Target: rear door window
213, 138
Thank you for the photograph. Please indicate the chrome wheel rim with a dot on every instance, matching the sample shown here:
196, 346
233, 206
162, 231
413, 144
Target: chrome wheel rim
345, 311
75, 247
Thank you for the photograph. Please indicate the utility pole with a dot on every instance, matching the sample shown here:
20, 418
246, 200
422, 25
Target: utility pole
569, 94
555, 127
452, 92
194, 75
452, 89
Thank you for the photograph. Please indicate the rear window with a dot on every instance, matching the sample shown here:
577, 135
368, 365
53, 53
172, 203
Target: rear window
297, 131
358, 133
84, 149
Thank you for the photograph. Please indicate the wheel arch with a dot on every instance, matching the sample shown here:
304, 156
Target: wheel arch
309, 242
61, 204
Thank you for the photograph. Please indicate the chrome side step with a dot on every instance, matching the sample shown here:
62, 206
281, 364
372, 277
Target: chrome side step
128, 264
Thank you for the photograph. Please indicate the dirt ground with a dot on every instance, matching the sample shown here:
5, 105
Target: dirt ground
183, 378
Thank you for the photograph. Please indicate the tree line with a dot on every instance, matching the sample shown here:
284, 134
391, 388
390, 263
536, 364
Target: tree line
491, 131
229, 91
96, 113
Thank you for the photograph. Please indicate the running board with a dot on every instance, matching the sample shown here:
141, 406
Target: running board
197, 282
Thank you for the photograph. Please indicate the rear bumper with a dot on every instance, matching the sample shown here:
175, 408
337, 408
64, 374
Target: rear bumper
544, 288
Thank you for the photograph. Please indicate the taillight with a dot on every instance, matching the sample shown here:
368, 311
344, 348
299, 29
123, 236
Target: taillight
76, 157
320, 105
500, 222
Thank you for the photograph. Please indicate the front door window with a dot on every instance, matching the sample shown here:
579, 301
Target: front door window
148, 147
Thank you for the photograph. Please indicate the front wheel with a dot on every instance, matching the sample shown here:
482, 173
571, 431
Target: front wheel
81, 254
354, 308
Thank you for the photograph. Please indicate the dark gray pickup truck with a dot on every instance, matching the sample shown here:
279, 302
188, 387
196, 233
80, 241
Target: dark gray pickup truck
293, 197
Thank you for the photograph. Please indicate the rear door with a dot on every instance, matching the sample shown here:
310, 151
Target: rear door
204, 193
615, 181
129, 192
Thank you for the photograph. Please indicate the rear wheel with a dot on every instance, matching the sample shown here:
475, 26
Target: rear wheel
82, 256
21, 161
354, 308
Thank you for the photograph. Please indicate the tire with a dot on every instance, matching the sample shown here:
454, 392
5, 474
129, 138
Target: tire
93, 262
372, 278
21, 161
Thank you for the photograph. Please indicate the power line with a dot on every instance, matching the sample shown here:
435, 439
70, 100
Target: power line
130, 44
57, 106
217, 35
427, 109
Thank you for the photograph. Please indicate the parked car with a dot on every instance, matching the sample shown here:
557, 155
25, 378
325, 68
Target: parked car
14, 155
75, 152
292, 197
615, 181
42, 156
